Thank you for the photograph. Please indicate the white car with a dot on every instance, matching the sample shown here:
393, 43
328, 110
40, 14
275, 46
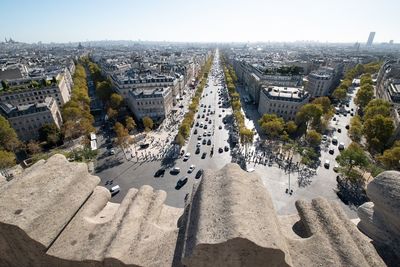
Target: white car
191, 168
115, 189
198, 144
186, 157
327, 164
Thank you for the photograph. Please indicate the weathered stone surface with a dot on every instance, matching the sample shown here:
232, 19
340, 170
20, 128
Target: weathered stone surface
54, 214
232, 221
380, 218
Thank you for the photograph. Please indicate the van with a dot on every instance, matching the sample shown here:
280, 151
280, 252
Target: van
114, 190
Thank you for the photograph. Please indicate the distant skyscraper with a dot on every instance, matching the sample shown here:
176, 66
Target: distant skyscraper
370, 38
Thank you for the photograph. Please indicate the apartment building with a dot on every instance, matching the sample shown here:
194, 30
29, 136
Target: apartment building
28, 119
320, 82
155, 103
283, 101
26, 91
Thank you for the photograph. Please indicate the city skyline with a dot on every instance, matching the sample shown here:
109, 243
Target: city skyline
205, 21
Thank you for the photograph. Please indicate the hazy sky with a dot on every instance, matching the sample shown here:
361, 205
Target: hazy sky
201, 20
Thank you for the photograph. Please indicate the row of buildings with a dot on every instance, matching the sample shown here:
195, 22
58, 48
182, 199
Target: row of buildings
154, 80
35, 83
281, 80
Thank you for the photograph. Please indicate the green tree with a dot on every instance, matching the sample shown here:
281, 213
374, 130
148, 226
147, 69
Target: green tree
122, 134
290, 127
313, 138
309, 113
33, 147
180, 140
356, 130
7, 159
339, 93
377, 131
246, 136
111, 113
104, 89
148, 123
391, 157
50, 133
366, 79
325, 104
364, 95
352, 156
115, 100
272, 125
377, 107
8, 138
130, 123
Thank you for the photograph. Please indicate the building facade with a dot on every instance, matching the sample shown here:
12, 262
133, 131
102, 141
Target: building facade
282, 101
153, 103
28, 119
320, 82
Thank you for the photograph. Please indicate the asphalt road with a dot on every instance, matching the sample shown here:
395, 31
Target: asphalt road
130, 174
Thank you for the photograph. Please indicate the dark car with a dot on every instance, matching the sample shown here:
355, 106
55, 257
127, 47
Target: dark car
339, 130
159, 173
203, 156
197, 150
209, 142
197, 123
220, 150
347, 127
195, 131
226, 148
220, 127
181, 182
199, 174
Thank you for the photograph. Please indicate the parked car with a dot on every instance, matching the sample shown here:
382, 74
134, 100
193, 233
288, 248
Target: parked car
341, 146
220, 127
204, 141
195, 131
197, 150
334, 140
159, 173
181, 182
347, 126
186, 157
226, 148
220, 150
191, 168
327, 164
175, 170
199, 174
203, 156
331, 150
209, 142
339, 130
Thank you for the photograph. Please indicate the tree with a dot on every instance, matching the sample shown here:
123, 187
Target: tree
325, 104
49, 133
313, 138
104, 90
272, 125
309, 113
364, 95
111, 113
246, 136
130, 123
391, 157
290, 127
180, 140
148, 123
8, 138
356, 130
376, 107
377, 131
122, 134
339, 93
7, 159
115, 100
352, 156
33, 147
366, 79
